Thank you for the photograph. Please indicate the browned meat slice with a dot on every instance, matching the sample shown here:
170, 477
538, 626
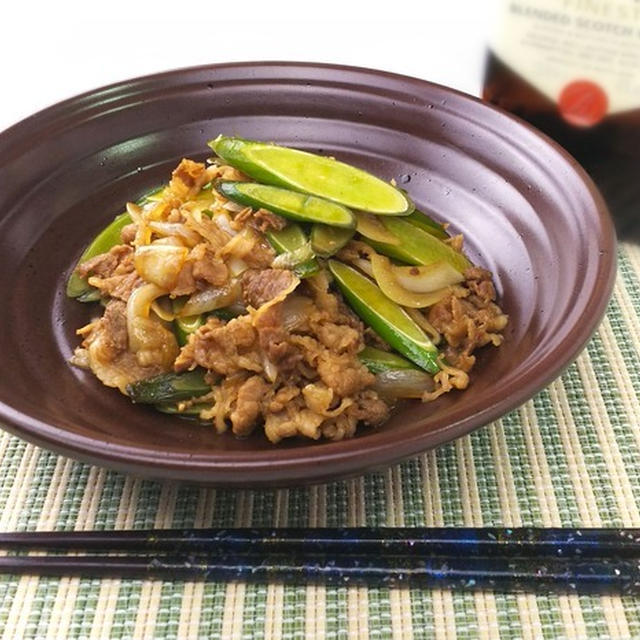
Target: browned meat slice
128, 233
478, 281
330, 307
207, 267
259, 287
294, 420
112, 273
187, 179
106, 264
261, 256
274, 339
106, 342
469, 322
120, 286
201, 269
248, 405
260, 219
343, 373
266, 220
282, 398
113, 329
340, 428
223, 348
340, 338
368, 408
185, 282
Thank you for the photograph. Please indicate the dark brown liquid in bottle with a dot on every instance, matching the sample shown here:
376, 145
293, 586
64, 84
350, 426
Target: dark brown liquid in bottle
609, 150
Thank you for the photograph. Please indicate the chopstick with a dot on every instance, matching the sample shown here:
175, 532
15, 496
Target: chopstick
510, 560
522, 541
496, 574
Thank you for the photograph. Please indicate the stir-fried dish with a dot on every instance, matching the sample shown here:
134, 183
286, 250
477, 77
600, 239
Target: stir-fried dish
278, 289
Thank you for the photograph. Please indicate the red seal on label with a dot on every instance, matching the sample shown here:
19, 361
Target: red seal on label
583, 103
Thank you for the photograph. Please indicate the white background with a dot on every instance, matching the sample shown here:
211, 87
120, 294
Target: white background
52, 51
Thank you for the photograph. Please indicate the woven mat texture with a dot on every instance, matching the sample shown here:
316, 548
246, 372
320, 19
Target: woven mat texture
569, 457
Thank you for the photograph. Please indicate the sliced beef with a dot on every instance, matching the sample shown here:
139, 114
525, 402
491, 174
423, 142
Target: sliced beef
469, 322
223, 348
260, 219
106, 264
187, 179
112, 273
274, 341
260, 287
248, 405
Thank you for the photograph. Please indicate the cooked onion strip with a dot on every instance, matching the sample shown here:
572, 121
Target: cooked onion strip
426, 279
160, 264
295, 311
212, 298
175, 229
364, 266
384, 275
148, 338
242, 244
403, 383
420, 319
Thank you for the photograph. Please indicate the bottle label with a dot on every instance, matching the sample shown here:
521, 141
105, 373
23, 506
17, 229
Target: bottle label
582, 54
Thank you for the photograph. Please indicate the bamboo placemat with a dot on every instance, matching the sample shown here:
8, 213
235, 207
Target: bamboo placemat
568, 457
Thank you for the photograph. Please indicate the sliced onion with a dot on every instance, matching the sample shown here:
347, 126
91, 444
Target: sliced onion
163, 308
160, 211
364, 266
403, 383
427, 278
160, 264
223, 220
234, 206
138, 306
242, 244
270, 369
236, 266
369, 226
295, 311
134, 211
141, 298
421, 320
238, 308
212, 299
385, 277
169, 241
175, 229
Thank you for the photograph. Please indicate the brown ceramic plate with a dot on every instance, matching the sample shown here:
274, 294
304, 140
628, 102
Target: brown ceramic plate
528, 212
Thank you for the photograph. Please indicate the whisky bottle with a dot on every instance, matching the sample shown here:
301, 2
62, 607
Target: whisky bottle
572, 69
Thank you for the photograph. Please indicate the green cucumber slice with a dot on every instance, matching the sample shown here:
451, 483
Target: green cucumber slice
169, 387
379, 361
288, 240
314, 174
108, 238
389, 320
192, 412
424, 222
290, 204
326, 240
184, 327
417, 246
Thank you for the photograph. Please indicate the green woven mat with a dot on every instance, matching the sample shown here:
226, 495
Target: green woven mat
568, 457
